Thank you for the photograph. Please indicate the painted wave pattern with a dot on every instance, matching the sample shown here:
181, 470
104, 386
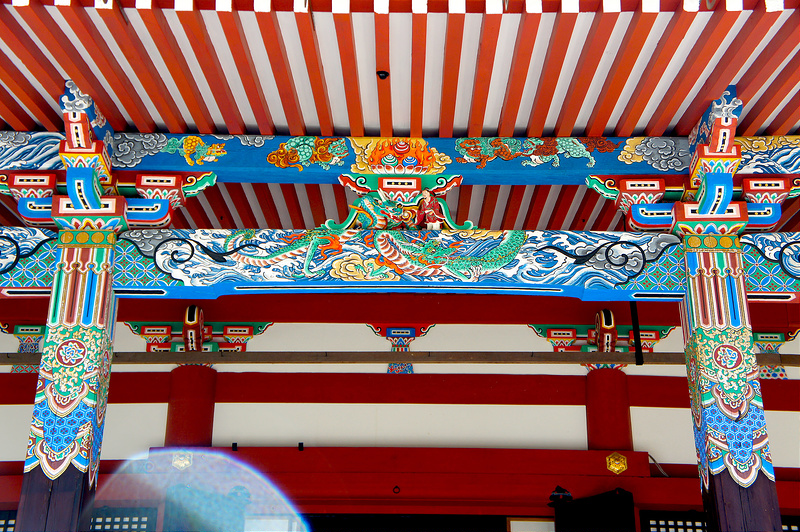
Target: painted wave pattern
772, 261
447, 258
30, 151
784, 159
27, 257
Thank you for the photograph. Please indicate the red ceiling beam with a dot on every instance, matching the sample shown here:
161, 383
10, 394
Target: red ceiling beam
591, 54
200, 41
419, 31
13, 114
786, 119
584, 212
624, 61
220, 209
314, 195
267, 205
198, 213
792, 224
243, 207
776, 52
665, 50
553, 65
95, 44
695, 63
282, 71
164, 39
452, 61
464, 199
347, 54
535, 216
490, 194
293, 206
35, 62
518, 75
232, 28
604, 217
768, 103
562, 205
490, 30
319, 86
58, 44
143, 67
732, 61
179, 220
382, 63
8, 211
26, 94
342, 208
788, 211
515, 197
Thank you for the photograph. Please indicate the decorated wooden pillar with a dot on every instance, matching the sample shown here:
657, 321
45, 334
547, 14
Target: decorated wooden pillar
89, 207
63, 452
730, 430
709, 210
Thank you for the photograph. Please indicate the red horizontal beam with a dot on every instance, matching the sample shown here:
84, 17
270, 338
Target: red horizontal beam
440, 6
381, 388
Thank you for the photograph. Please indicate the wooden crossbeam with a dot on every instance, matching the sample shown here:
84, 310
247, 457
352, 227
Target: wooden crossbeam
360, 357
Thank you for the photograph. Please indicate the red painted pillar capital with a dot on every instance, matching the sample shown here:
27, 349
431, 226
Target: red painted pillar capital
608, 416
190, 415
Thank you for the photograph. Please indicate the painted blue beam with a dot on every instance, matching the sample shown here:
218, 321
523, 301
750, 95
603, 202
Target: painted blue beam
206, 264
485, 160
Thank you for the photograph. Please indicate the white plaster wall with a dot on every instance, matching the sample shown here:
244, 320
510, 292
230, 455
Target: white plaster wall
131, 429
407, 425
318, 337
127, 342
784, 437
454, 337
16, 420
8, 343
665, 433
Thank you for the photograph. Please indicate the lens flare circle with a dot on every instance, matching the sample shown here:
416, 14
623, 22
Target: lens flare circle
200, 489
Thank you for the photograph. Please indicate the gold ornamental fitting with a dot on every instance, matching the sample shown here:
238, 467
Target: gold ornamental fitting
616, 463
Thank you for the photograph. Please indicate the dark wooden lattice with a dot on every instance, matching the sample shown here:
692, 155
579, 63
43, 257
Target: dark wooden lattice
695, 522
672, 521
119, 519
8, 519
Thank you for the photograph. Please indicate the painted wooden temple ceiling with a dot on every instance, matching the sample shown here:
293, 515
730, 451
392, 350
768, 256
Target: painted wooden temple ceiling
457, 68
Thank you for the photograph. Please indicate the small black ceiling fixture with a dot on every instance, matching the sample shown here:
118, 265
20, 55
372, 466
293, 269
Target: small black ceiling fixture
382, 74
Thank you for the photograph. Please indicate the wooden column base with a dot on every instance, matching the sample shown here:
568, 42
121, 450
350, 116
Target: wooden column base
733, 508
60, 505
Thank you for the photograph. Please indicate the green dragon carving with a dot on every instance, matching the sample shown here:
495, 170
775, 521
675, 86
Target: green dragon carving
401, 251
